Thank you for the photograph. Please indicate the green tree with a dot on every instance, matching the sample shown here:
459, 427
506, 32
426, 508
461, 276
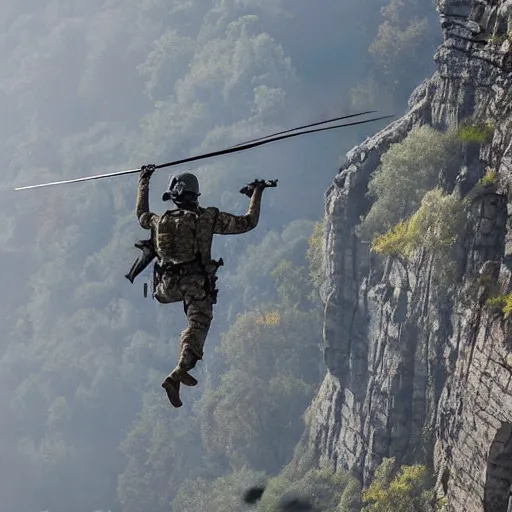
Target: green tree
223, 494
351, 499
254, 417
315, 256
405, 490
405, 40
292, 283
162, 452
323, 488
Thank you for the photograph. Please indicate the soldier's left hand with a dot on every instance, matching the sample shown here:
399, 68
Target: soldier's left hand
147, 170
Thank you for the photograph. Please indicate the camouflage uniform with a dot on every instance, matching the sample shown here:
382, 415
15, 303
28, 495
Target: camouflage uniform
183, 240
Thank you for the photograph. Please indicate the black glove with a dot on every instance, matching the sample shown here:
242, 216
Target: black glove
260, 184
146, 171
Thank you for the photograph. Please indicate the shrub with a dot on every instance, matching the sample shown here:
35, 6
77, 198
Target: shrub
489, 179
407, 171
497, 303
436, 224
439, 220
485, 184
500, 304
507, 308
395, 242
479, 133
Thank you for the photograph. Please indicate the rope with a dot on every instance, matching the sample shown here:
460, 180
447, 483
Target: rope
306, 126
234, 149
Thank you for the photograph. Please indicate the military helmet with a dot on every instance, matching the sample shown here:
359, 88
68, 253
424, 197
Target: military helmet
183, 184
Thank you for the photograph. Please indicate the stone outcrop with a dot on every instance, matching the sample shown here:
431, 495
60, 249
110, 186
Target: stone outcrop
416, 372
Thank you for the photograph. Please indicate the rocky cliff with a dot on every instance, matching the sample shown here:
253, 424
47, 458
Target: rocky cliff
414, 372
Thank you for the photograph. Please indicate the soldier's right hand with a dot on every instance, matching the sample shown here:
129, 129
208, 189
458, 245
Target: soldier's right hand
267, 184
147, 170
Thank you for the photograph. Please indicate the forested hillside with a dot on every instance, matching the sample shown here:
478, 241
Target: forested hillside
99, 86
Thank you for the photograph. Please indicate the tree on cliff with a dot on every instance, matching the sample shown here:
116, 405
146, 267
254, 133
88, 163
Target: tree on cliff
405, 489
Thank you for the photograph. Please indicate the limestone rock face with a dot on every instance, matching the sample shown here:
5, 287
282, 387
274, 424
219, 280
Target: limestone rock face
414, 372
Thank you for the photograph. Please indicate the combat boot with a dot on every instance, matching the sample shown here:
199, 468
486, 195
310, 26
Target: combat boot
172, 388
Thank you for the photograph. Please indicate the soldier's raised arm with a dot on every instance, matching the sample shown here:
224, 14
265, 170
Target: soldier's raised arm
142, 204
229, 224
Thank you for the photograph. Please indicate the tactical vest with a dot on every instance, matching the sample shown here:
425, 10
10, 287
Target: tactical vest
181, 243
184, 236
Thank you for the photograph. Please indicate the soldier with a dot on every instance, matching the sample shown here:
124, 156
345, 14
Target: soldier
185, 271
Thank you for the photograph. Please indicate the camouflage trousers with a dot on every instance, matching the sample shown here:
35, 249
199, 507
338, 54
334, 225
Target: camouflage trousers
193, 291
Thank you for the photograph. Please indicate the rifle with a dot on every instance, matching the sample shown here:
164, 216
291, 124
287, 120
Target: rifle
250, 187
147, 256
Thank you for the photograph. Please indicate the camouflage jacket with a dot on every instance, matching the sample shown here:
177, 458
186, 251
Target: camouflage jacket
182, 235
